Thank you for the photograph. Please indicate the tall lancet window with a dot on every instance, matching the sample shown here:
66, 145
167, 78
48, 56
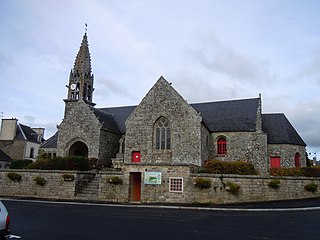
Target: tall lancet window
162, 134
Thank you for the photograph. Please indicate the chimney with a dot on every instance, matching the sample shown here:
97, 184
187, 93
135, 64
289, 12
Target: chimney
40, 132
8, 129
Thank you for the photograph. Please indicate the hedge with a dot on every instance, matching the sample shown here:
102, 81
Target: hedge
296, 172
221, 167
62, 163
20, 164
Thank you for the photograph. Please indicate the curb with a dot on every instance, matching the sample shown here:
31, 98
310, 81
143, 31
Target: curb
171, 207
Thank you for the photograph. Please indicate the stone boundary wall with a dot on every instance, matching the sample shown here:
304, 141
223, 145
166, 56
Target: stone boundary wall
56, 186
252, 188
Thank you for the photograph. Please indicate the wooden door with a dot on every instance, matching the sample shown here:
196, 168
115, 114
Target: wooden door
135, 190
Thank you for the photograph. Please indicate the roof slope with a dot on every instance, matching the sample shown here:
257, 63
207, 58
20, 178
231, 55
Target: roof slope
280, 130
26, 133
4, 157
120, 115
107, 119
229, 116
50, 142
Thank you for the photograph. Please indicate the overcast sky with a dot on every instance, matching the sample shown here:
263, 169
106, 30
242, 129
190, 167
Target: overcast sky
210, 50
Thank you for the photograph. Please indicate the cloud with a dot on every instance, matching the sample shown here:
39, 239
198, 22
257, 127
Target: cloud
223, 59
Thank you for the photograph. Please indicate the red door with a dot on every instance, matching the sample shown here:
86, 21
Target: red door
135, 190
136, 157
275, 162
297, 160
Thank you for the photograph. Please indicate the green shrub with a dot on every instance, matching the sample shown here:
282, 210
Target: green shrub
232, 187
68, 177
40, 180
14, 176
311, 171
311, 187
202, 183
221, 167
20, 164
296, 172
115, 180
62, 163
274, 183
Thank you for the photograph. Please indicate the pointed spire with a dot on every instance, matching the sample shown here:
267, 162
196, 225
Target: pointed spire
82, 64
81, 79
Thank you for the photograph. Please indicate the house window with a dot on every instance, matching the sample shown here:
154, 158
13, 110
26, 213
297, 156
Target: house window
297, 158
221, 146
162, 134
32, 153
176, 184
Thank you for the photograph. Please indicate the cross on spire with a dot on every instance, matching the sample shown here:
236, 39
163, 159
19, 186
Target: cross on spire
86, 28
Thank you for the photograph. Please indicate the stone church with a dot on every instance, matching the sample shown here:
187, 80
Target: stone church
165, 130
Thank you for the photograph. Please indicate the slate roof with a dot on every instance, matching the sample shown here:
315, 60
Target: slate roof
107, 119
280, 130
26, 133
4, 157
229, 116
50, 142
222, 116
120, 115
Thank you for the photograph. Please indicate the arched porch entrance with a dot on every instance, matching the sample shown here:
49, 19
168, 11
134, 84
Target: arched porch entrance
78, 149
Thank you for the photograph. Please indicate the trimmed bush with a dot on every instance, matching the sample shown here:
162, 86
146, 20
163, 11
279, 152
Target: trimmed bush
274, 183
62, 163
237, 167
115, 180
15, 177
202, 183
68, 177
311, 171
232, 187
20, 164
296, 172
40, 181
311, 187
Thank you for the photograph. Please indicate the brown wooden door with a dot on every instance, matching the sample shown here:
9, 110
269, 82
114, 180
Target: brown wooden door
135, 191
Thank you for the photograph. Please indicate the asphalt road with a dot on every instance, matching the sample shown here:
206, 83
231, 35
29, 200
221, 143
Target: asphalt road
53, 221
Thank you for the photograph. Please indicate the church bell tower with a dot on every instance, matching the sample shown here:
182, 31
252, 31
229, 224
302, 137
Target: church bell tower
81, 79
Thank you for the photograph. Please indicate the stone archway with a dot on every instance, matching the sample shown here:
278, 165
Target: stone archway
78, 149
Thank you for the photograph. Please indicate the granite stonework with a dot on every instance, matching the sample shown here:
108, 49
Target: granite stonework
252, 188
185, 123
243, 146
287, 152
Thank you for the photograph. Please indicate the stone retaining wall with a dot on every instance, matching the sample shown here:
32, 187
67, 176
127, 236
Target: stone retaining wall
252, 188
56, 186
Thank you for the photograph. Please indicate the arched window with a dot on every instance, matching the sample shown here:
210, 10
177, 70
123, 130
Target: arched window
222, 146
297, 158
162, 134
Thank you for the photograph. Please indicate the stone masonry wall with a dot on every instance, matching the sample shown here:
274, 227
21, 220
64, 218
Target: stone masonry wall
55, 188
109, 146
287, 153
185, 124
244, 146
252, 188
79, 124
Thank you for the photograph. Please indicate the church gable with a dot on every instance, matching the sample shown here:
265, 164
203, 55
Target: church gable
164, 128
